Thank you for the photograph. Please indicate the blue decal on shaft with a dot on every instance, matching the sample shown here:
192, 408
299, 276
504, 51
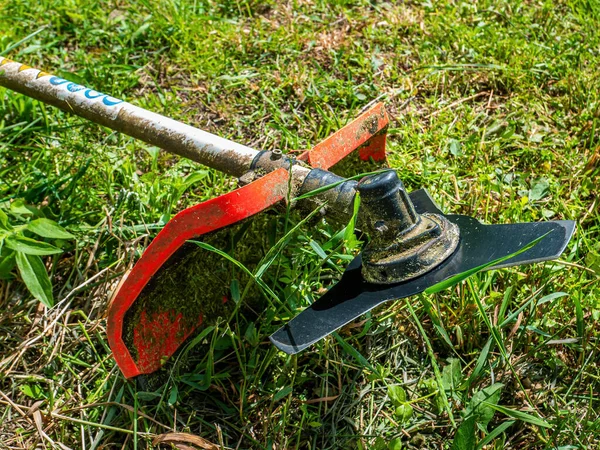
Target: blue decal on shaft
56, 81
72, 87
88, 93
111, 101
92, 94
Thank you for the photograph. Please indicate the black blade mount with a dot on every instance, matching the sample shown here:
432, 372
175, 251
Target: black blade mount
479, 244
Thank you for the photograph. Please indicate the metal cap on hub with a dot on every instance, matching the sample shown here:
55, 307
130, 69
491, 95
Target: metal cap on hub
404, 244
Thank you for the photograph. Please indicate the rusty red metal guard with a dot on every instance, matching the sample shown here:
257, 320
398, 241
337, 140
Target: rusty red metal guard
164, 332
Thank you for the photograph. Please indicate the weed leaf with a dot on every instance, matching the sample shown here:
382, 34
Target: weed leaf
397, 394
579, 316
480, 402
452, 375
197, 340
283, 392
551, 297
404, 412
173, 396
395, 444
29, 246
4, 221
32, 390
35, 277
317, 248
539, 190
7, 264
18, 208
464, 439
49, 229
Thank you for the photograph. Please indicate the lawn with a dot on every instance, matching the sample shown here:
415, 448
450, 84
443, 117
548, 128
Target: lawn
494, 110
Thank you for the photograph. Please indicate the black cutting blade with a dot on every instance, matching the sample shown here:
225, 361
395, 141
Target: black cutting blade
479, 244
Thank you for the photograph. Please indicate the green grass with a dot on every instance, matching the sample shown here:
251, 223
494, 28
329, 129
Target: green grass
494, 110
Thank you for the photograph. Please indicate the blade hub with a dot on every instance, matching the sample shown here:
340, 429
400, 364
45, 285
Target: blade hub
412, 254
404, 244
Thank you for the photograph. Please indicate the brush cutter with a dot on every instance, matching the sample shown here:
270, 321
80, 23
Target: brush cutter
413, 245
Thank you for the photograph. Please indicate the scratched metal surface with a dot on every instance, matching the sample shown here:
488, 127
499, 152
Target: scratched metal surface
155, 129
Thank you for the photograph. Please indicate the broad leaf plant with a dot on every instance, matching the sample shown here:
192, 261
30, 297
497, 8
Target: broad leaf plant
25, 238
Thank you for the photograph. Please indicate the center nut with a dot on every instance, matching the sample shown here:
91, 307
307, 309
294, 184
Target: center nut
403, 244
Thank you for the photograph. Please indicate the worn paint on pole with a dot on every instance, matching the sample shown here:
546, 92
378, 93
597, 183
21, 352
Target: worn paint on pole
155, 129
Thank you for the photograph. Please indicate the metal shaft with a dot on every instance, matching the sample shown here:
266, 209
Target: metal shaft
173, 136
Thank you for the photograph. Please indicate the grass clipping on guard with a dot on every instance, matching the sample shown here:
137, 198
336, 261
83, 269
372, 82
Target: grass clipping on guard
198, 283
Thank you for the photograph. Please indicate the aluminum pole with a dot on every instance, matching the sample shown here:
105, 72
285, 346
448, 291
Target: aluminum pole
173, 136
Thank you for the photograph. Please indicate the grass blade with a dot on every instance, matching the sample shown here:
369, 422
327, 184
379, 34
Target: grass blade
22, 41
481, 360
442, 285
494, 434
520, 415
234, 261
332, 185
354, 353
436, 369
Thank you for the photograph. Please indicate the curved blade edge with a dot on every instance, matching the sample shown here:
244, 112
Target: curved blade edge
480, 244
